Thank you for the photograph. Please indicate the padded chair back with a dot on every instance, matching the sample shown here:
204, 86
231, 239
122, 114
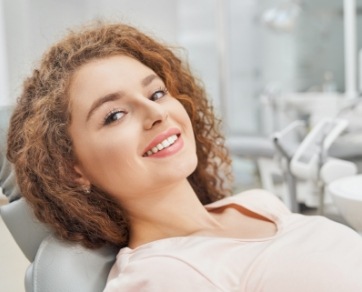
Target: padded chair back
56, 265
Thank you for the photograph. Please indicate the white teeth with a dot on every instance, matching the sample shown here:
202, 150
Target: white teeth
164, 144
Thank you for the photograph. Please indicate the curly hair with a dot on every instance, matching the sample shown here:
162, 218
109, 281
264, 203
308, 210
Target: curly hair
40, 146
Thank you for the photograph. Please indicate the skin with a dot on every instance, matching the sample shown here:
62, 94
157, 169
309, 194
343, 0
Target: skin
118, 107
111, 153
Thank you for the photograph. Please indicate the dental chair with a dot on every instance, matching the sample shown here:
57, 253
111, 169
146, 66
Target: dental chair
55, 265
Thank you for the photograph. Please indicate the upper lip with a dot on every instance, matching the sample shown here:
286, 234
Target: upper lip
160, 137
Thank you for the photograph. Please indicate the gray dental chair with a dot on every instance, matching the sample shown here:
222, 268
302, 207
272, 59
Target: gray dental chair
55, 265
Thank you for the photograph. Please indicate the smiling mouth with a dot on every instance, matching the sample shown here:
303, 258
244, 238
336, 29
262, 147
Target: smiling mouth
163, 145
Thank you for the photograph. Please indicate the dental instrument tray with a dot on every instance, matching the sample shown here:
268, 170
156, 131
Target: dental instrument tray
310, 155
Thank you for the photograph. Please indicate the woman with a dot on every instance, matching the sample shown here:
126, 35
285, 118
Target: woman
114, 142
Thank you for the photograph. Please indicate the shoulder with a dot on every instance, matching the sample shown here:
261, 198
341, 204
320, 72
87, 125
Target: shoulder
257, 200
158, 273
258, 196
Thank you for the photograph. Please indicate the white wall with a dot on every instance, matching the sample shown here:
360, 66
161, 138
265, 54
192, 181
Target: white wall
245, 54
31, 26
197, 32
222, 40
254, 56
4, 94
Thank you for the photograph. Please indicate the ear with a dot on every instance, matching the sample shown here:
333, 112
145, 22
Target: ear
81, 177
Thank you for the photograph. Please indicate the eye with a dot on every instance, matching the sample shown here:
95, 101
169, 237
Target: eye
113, 116
159, 94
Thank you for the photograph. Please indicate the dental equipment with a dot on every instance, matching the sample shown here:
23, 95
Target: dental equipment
311, 154
282, 17
307, 165
284, 149
346, 194
310, 160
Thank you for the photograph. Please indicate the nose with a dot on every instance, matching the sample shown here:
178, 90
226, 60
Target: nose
154, 114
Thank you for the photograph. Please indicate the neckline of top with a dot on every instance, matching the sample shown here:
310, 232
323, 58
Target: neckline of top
221, 203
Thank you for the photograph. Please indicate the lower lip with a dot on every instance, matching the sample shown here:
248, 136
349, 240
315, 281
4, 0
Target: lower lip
171, 150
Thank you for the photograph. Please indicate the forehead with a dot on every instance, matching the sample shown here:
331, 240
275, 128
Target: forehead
122, 63
106, 73
105, 76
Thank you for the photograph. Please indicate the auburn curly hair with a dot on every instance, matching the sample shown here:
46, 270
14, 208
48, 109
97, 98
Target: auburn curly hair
40, 146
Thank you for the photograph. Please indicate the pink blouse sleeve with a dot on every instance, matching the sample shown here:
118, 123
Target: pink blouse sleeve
161, 273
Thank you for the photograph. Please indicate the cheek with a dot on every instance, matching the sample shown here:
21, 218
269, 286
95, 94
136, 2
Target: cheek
104, 158
112, 154
190, 129
183, 117
114, 171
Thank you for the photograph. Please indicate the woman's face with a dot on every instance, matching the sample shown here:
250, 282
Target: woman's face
130, 136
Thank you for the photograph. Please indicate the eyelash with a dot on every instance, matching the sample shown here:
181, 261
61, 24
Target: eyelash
109, 118
162, 90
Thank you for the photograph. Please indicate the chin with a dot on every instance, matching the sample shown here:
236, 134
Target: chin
185, 168
190, 166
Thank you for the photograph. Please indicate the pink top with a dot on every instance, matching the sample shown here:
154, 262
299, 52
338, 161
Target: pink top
307, 253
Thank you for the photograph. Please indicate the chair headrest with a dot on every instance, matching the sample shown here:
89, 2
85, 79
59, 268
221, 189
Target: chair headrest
18, 217
7, 177
27, 231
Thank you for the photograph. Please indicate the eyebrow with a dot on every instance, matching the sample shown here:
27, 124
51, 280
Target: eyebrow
117, 95
147, 80
109, 97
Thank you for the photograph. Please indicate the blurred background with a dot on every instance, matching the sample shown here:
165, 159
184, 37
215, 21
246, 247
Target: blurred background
240, 49
264, 63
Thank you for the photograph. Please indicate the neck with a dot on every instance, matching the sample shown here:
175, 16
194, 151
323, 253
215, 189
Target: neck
170, 212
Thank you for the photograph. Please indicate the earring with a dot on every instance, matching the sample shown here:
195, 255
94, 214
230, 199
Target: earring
86, 190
